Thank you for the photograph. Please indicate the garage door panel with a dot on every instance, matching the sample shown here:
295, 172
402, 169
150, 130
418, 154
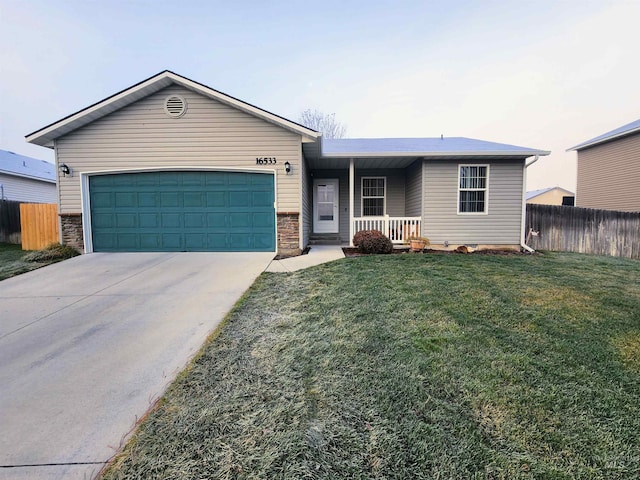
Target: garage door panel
194, 199
170, 199
127, 220
238, 199
171, 220
172, 241
176, 211
103, 220
150, 241
147, 199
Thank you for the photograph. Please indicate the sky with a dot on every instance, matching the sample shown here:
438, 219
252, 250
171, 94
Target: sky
540, 74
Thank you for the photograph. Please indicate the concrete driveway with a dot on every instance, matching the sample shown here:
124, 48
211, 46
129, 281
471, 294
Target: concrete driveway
87, 346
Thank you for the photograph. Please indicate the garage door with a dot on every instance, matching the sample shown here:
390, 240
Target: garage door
182, 211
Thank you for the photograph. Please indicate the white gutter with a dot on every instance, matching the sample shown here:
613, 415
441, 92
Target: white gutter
524, 203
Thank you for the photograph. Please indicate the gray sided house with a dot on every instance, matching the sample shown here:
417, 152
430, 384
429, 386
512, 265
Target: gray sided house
608, 170
173, 165
26, 179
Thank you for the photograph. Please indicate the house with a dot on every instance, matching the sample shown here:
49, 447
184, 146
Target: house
551, 196
26, 179
170, 164
608, 170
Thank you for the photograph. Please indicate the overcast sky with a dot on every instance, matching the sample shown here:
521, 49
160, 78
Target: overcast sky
542, 74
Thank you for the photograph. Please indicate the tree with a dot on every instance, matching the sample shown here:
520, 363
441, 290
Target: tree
323, 123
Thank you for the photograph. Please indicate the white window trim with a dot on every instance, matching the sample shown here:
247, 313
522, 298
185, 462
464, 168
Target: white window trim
362, 197
486, 189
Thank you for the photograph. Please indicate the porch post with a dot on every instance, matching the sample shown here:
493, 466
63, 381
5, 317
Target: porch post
352, 181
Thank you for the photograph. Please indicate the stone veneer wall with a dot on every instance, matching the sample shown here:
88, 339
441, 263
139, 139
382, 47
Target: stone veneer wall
289, 233
71, 224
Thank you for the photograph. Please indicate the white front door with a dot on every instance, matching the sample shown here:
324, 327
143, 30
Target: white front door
325, 205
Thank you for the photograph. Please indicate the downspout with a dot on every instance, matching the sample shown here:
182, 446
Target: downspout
524, 203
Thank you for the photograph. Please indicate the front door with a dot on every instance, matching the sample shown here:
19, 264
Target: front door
325, 206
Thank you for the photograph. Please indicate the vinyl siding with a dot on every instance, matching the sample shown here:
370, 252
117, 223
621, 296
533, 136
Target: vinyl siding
608, 175
502, 224
552, 197
306, 215
27, 190
209, 135
413, 193
394, 190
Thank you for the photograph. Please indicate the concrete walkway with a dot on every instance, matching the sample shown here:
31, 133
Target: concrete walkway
317, 254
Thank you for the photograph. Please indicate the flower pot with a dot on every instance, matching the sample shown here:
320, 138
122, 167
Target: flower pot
417, 245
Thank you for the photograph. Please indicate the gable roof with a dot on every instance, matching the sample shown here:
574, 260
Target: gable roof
27, 167
622, 131
534, 193
427, 147
46, 135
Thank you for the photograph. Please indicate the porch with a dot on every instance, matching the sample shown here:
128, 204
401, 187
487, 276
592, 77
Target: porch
378, 195
398, 229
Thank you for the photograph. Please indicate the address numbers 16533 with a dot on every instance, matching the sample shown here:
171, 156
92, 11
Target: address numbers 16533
266, 160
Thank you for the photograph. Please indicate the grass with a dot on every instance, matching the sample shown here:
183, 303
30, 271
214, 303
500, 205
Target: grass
14, 260
412, 366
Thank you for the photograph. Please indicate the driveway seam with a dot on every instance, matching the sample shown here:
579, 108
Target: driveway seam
84, 297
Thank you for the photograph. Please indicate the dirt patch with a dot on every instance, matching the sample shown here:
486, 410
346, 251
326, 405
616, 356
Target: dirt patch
354, 252
282, 257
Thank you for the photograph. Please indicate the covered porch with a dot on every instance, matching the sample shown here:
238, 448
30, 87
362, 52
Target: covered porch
355, 194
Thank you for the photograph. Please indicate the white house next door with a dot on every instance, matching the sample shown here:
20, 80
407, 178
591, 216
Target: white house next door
325, 206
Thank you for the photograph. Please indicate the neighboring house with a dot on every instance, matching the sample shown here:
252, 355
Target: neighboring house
26, 179
608, 170
170, 164
551, 196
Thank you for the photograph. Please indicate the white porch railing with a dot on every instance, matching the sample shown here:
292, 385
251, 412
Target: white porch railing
396, 228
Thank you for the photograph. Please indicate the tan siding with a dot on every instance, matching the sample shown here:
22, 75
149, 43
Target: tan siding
608, 175
502, 224
552, 197
306, 215
209, 135
27, 190
413, 194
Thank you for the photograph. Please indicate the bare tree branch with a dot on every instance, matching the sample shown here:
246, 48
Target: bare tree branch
323, 123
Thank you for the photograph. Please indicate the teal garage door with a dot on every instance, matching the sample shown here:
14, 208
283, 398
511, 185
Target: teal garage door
182, 212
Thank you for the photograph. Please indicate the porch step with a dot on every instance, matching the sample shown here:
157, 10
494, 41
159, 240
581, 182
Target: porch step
324, 239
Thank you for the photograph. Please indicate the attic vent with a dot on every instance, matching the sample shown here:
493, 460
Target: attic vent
175, 106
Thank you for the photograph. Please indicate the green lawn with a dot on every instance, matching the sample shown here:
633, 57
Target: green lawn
14, 260
11, 262
412, 367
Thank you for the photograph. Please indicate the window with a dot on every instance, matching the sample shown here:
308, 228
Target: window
373, 190
473, 188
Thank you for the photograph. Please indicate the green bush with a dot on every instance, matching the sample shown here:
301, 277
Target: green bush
55, 251
372, 241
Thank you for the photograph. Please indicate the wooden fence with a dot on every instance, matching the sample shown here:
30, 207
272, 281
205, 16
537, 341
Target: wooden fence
39, 223
9, 221
584, 230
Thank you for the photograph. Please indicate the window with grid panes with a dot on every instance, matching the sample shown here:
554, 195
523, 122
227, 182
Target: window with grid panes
473, 188
373, 191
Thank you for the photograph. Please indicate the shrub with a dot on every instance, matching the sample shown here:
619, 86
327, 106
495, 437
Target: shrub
362, 234
372, 241
55, 251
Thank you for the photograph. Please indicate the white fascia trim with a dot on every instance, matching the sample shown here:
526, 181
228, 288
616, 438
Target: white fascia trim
590, 143
435, 154
30, 177
185, 82
240, 105
89, 110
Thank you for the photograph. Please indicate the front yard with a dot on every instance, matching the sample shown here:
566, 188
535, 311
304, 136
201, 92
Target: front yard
412, 367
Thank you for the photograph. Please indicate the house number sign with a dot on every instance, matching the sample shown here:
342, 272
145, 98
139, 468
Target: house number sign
266, 160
